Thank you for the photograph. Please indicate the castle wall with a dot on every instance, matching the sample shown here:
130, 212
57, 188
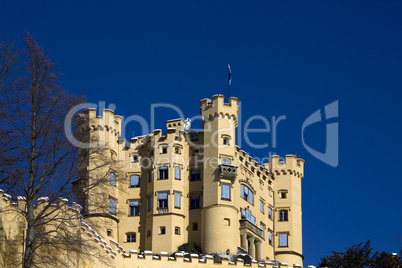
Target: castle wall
219, 224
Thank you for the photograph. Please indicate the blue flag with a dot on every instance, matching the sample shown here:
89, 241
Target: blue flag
230, 74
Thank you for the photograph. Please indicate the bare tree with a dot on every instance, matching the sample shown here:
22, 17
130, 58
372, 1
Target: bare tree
36, 158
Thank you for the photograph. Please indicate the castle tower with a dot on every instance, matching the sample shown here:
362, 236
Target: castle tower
288, 213
219, 216
97, 187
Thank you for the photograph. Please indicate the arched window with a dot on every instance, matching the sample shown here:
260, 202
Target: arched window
246, 194
226, 161
112, 179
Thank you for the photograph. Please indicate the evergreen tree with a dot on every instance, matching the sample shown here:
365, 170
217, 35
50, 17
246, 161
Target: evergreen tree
359, 256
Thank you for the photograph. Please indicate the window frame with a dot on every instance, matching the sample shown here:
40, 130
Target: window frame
150, 175
133, 237
162, 230
134, 185
177, 173
163, 201
246, 196
112, 178
229, 191
195, 176
247, 215
283, 215
270, 236
134, 208
197, 205
226, 161
112, 210
280, 242
177, 199
177, 230
163, 173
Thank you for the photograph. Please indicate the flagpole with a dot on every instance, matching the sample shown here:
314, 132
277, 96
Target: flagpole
229, 79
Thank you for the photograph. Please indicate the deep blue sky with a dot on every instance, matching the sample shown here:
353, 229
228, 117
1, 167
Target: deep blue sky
288, 58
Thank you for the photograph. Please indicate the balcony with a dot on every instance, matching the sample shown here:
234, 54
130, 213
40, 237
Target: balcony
246, 224
162, 210
227, 172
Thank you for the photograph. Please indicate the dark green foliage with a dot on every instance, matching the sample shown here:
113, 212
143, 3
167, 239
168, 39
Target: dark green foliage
386, 260
359, 256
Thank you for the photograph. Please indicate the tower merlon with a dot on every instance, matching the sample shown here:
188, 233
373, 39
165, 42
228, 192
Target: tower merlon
177, 124
292, 164
108, 120
218, 106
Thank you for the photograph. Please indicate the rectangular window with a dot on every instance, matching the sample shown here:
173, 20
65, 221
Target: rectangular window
252, 219
177, 230
163, 173
195, 174
195, 201
261, 206
270, 237
163, 200
131, 238
162, 230
135, 158
112, 206
283, 240
177, 173
112, 179
246, 214
149, 202
283, 215
150, 175
195, 226
164, 150
270, 213
134, 208
177, 199
226, 191
134, 181
263, 229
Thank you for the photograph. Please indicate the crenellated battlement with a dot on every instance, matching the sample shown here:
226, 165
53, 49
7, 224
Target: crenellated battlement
254, 165
216, 108
115, 255
9, 204
160, 163
292, 165
108, 122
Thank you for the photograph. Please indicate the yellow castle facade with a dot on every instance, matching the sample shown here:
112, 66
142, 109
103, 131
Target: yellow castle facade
163, 190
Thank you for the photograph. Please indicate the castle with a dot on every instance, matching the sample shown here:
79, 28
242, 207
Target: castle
164, 190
